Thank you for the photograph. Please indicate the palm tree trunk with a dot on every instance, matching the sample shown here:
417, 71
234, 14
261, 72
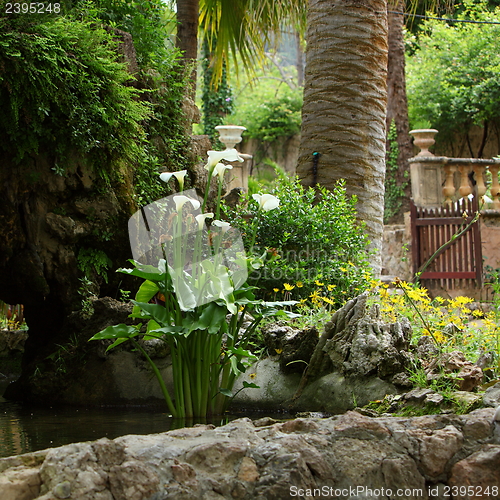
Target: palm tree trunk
345, 97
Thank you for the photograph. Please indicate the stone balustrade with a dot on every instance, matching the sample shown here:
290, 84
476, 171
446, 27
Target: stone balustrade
438, 180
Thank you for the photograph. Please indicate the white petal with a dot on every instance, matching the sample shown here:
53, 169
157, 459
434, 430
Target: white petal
180, 200
179, 175
269, 202
200, 219
166, 176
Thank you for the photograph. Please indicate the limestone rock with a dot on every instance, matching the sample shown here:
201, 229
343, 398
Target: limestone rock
491, 396
266, 462
294, 346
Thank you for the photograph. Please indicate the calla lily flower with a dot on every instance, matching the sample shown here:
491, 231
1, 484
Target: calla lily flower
181, 200
201, 218
166, 176
220, 169
222, 224
214, 157
266, 201
486, 199
179, 175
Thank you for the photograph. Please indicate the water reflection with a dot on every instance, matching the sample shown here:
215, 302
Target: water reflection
26, 428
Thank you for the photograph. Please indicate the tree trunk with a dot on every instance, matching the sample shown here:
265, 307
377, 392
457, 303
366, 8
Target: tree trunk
397, 111
187, 37
344, 110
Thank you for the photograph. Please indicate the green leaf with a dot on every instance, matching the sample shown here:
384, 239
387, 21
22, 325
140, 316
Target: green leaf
120, 331
147, 291
226, 392
116, 343
149, 273
250, 385
153, 311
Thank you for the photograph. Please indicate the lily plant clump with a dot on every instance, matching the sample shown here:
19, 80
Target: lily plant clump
194, 295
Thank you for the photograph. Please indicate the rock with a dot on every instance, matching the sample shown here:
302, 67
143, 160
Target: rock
468, 399
491, 396
294, 346
418, 395
426, 348
481, 471
369, 346
274, 461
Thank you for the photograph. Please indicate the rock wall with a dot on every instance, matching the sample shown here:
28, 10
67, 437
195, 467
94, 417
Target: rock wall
447, 456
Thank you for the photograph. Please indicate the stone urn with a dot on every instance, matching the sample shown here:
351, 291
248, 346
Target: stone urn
230, 135
424, 139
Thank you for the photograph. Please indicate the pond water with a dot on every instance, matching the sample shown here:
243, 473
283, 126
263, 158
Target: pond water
25, 428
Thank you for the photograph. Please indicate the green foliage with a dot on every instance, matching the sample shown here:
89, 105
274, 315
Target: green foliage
270, 118
149, 22
268, 106
94, 263
312, 236
454, 76
217, 100
394, 193
62, 87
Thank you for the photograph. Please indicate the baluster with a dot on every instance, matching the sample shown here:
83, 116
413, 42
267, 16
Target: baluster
449, 184
479, 177
495, 186
465, 187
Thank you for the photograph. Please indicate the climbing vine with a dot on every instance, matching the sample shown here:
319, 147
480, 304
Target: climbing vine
394, 192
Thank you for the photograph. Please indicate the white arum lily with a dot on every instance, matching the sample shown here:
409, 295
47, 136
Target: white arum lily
220, 169
214, 157
266, 201
166, 176
222, 224
181, 200
201, 218
486, 199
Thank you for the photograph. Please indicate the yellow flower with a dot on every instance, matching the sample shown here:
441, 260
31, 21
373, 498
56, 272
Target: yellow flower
331, 287
299, 284
288, 287
318, 283
343, 269
327, 300
279, 351
252, 375
276, 290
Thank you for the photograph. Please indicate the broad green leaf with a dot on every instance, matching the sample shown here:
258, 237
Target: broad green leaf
226, 392
145, 272
147, 291
120, 331
153, 311
117, 342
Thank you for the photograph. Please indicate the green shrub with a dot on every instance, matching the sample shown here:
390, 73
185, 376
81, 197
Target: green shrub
312, 238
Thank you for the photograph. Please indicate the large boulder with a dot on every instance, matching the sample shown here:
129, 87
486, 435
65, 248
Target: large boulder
347, 456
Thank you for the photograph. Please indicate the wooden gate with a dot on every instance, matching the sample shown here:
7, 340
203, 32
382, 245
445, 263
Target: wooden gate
459, 264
